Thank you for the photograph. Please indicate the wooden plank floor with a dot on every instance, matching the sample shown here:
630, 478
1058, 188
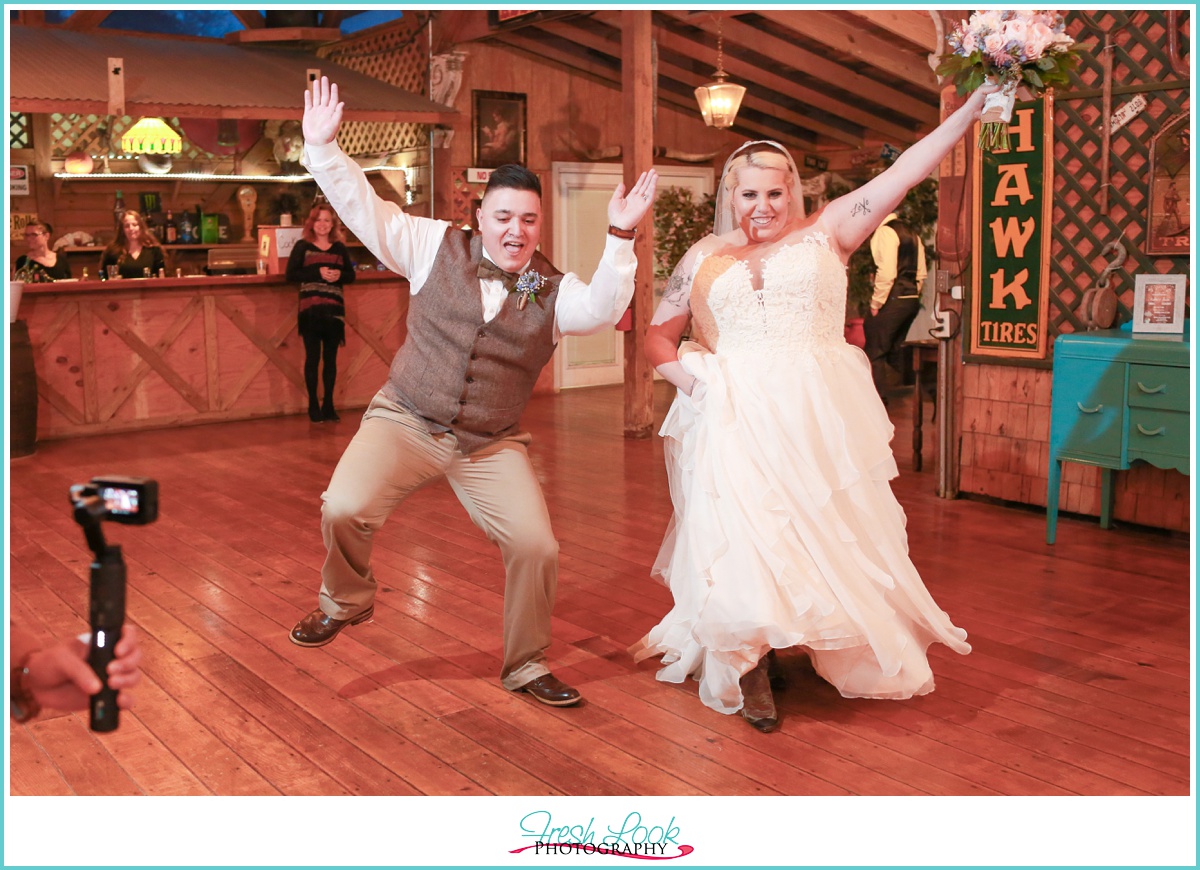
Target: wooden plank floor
1079, 682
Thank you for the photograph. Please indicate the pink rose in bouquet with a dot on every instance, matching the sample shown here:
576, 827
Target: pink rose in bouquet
1027, 48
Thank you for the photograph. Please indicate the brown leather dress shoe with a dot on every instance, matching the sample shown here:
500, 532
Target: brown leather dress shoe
318, 629
550, 690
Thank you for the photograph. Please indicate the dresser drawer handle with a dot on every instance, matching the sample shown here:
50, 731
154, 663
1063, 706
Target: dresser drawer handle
1095, 410
1161, 388
1145, 431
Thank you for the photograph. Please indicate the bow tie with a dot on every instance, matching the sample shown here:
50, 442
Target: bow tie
490, 271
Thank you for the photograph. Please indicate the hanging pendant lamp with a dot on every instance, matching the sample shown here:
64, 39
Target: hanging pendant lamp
719, 100
151, 136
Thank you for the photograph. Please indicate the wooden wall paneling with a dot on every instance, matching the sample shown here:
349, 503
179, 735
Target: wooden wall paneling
265, 323
375, 328
135, 335
59, 369
139, 356
212, 367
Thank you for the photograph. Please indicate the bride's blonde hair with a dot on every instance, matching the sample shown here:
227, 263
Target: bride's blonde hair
760, 154
758, 157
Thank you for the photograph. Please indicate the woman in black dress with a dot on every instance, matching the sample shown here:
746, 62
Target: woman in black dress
41, 264
321, 265
135, 249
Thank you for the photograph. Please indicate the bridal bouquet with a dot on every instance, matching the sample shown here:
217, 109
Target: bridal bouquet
1014, 48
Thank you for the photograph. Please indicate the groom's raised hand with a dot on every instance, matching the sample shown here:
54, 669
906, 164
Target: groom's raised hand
322, 112
626, 212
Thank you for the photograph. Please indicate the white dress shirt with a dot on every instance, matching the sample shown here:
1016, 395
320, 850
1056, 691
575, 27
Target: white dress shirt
408, 245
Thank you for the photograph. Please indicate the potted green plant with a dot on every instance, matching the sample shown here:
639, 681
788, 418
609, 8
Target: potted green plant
680, 220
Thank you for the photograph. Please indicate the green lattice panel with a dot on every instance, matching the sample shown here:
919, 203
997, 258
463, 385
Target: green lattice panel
1080, 229
399, 56
84, 133
18, 130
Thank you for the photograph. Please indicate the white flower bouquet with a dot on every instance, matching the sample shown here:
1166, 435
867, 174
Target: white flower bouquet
1027, 48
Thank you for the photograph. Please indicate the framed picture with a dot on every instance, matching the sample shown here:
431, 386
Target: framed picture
499, 128
1159, 302
1169, 207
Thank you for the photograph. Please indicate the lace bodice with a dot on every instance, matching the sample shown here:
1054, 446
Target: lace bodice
800, 309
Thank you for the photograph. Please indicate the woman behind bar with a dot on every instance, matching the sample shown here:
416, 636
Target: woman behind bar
135, 250
321, 265
41, 263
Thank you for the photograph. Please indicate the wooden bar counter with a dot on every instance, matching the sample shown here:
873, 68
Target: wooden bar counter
115, 356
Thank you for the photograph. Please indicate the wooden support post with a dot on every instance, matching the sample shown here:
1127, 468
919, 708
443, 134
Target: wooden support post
46, 206
637, 85
954, 255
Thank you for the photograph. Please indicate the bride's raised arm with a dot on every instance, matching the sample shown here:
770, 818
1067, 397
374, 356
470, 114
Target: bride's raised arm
853, 217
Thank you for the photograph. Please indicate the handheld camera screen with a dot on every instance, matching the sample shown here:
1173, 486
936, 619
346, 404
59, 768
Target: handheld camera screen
131, 500
120, 501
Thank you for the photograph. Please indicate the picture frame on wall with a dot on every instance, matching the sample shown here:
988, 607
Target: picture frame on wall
1169, 207
498, 128
1159, 303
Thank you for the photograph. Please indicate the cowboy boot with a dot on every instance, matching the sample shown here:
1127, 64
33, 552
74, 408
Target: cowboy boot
775, 673
758, 706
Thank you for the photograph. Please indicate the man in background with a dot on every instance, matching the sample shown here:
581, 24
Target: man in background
899, 258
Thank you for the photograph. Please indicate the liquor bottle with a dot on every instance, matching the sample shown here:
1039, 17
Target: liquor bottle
185, 229
118, 209
171, 230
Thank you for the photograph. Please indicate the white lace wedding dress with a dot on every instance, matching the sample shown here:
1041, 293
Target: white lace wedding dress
785, 529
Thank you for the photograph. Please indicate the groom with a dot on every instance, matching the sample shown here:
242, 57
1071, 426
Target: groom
485, 314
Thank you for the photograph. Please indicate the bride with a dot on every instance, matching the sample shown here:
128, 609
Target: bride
785, 530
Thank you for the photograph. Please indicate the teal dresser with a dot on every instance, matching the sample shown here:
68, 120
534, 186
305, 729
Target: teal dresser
1116, 399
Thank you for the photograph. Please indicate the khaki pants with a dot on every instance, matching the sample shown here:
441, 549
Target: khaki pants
392, 456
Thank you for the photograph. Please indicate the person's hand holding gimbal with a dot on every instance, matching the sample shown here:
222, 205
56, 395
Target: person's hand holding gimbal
59, 676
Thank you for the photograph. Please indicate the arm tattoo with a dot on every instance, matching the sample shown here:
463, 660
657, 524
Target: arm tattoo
676, 287
863, 207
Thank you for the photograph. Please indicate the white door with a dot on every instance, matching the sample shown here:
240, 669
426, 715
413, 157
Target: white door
581, 195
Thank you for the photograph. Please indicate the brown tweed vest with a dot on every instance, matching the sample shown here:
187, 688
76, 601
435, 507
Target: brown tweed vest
458, 373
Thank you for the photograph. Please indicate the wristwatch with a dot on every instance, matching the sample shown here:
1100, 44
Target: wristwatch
24, 706
622, 233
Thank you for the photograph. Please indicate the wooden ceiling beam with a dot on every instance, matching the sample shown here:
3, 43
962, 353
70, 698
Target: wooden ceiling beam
454, 26
827, 29
334, 18
925, 112
251, 19
285, 35
756, 76
607, 42
86, 19
529, 44
916, 27
186, 110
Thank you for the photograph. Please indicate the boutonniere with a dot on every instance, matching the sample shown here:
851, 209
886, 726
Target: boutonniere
527, 288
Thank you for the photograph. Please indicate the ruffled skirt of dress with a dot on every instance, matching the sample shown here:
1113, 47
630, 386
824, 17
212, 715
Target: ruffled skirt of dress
786, 532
